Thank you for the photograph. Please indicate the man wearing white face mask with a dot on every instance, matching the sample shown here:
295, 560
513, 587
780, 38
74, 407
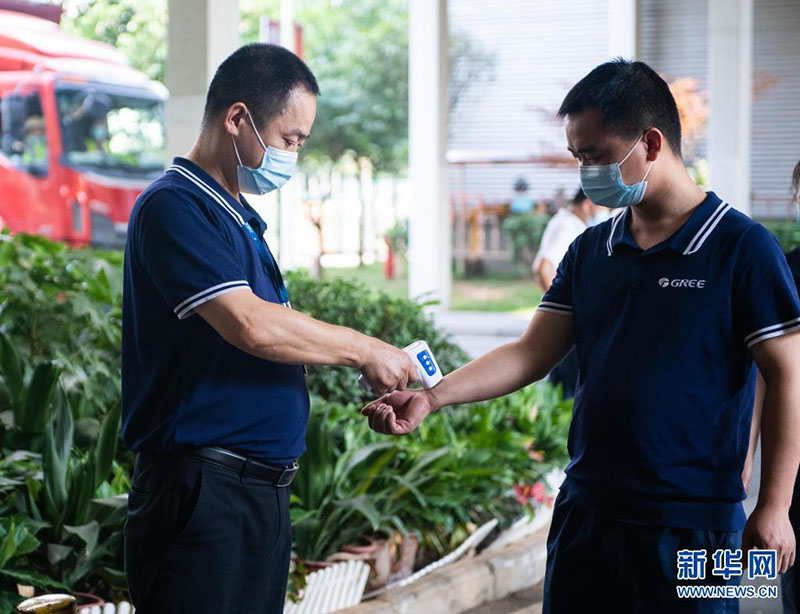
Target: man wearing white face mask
669, 306
213, 386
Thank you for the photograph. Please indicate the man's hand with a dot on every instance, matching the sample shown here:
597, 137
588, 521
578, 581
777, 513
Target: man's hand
386, 368
398, 413
769, 528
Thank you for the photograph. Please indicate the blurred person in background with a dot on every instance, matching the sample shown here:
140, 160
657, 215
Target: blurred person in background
790, 581
562, 229
521, 203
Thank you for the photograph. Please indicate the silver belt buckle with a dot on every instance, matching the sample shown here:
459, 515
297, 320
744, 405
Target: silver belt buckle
293, 469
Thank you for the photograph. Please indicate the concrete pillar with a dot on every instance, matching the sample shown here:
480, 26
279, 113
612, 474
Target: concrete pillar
730, 77
200, 35
622, 28
430, 232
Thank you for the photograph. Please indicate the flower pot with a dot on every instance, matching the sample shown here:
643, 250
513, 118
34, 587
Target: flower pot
311, 566
404, 553
85, 601
376, 553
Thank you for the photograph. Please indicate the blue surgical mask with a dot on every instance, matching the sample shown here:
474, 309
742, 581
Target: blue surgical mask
603, 185
276, 168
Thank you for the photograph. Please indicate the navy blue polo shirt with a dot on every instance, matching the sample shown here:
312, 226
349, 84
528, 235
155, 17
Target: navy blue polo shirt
183, 385
664, 399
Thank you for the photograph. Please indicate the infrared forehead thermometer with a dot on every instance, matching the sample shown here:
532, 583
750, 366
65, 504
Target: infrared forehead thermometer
427, 368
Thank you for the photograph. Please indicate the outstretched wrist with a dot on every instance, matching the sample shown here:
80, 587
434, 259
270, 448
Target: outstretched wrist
363, 351
434, 397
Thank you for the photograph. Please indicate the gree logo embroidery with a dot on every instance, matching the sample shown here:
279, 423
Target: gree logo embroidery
681, 283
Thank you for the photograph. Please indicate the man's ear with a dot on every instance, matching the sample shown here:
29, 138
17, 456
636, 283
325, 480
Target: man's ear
654, 140
234, 118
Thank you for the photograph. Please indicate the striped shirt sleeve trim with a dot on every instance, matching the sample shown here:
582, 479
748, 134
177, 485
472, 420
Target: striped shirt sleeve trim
184, 309
776, 330
555, 307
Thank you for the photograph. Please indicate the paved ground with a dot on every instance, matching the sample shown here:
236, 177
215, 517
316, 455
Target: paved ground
479, 332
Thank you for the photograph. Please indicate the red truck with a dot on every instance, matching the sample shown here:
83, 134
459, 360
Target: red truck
81, 133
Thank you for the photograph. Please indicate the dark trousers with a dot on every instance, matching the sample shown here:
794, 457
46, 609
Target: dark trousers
598, 564
200, 539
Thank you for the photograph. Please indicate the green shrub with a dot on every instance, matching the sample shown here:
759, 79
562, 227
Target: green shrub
353, 304
459, 468
525, 232
397, 237
65, 305
787, 233
67, 526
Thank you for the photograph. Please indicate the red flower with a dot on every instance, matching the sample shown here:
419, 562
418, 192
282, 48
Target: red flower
538, 492
536, 455
520, 494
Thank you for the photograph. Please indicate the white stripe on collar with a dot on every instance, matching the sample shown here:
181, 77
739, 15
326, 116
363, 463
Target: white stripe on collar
209, 190
614, 225
707, 228
697, 241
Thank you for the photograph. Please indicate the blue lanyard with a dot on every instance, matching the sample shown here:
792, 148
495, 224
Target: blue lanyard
270, 265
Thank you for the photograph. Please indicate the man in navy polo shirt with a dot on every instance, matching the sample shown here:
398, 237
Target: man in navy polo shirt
668, 305
213, 385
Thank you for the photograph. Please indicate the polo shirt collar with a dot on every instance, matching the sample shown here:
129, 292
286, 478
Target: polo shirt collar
687, 240
240, 211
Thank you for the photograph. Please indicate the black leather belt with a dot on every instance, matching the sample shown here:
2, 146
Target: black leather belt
278, 475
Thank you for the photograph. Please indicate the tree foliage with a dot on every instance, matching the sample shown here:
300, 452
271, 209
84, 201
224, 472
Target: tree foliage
137, 28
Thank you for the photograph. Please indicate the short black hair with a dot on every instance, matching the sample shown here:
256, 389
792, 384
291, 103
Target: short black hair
630, 97
520, 185
579, 197
260, 75
796, 182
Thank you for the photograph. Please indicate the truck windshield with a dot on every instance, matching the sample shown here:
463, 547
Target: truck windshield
111, 133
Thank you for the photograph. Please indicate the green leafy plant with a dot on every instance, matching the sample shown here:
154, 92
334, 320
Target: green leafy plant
459, 469
787, 233
27, 392
83, 532
525, 232
59, 490
17, 541
395, 320
397, 237
64, 306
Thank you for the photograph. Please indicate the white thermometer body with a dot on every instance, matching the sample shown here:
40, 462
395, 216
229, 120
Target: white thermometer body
427, 367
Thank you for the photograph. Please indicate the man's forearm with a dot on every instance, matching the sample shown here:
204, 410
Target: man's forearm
511, 366
292, 337
495, 374
780, 440
278, 334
